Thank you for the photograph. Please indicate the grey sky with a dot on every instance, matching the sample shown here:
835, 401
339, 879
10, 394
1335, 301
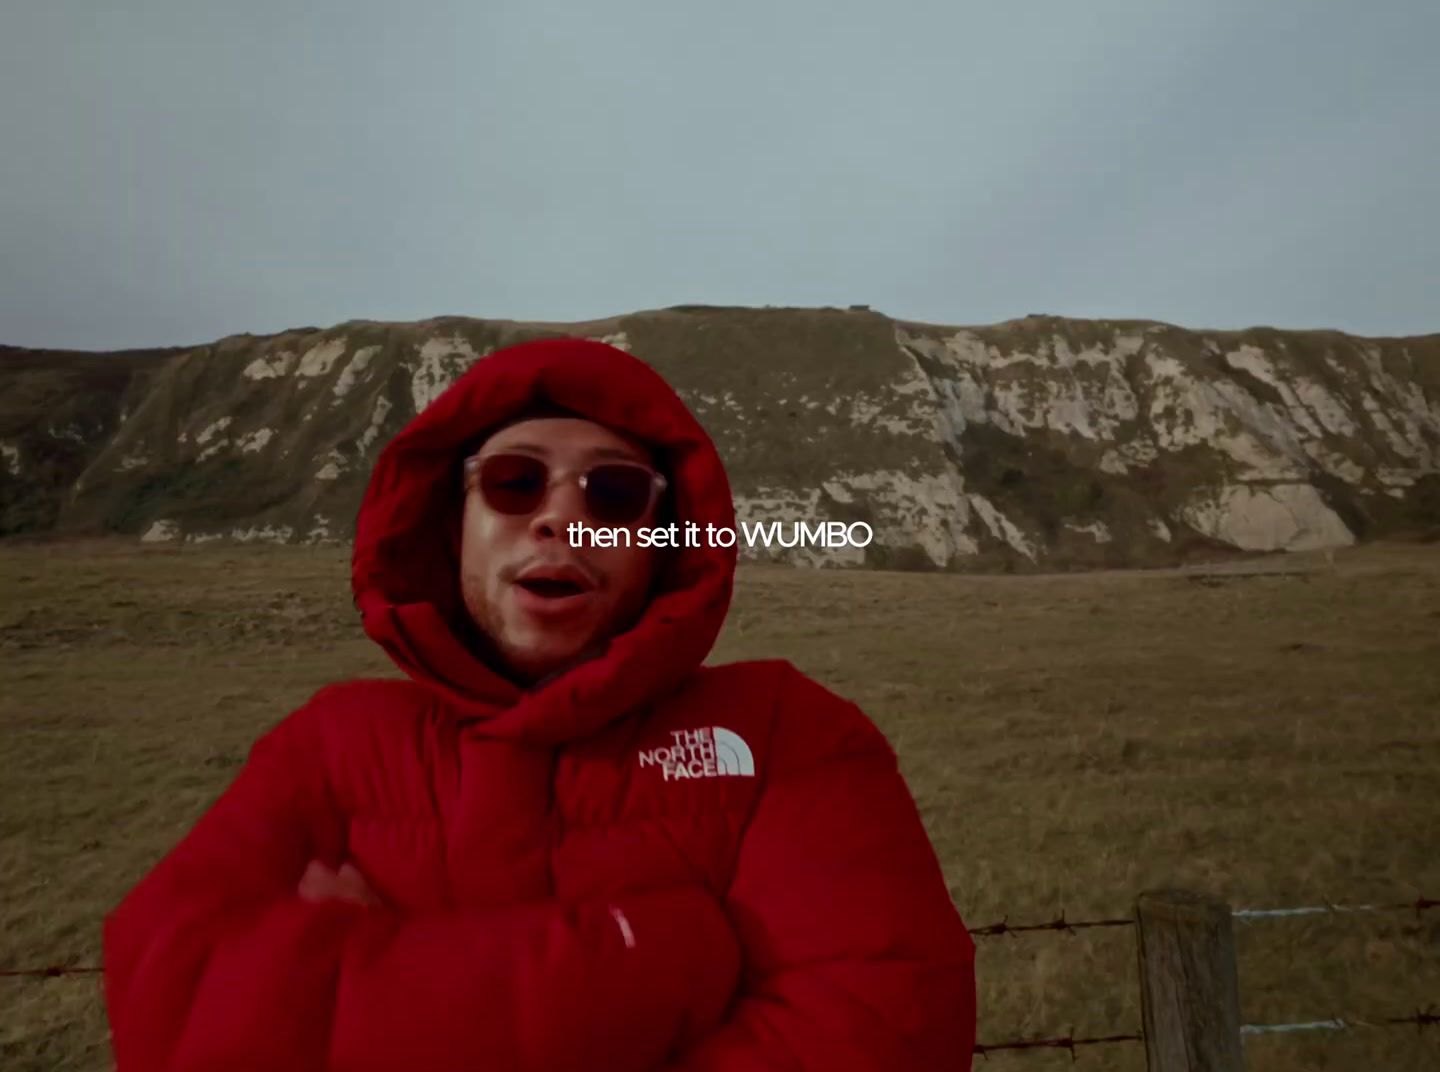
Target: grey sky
174, 171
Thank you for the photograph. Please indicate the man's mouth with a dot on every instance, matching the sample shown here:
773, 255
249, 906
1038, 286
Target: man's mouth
552, 589
555, 583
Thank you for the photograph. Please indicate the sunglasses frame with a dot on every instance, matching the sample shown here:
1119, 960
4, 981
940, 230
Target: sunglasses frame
554, 476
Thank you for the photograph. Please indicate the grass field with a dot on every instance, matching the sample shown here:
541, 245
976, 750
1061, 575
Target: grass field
1273, 738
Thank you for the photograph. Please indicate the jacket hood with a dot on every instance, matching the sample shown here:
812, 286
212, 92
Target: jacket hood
405, 566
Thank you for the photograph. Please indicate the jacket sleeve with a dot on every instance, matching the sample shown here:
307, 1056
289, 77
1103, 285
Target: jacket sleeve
214, 962
856, 959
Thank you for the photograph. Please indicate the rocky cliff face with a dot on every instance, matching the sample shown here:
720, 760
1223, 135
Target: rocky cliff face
1037, 443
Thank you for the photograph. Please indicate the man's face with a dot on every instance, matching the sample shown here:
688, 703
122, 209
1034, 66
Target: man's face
540, 601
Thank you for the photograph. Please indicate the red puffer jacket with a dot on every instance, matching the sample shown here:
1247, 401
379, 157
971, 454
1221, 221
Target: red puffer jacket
641, 864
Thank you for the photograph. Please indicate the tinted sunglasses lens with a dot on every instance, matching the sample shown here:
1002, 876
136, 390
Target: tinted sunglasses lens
618, 494
513, 483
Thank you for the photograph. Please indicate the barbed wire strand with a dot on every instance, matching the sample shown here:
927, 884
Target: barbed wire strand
1068, 1042
1063, 925
1421, 1018
1420, 904
1067, 926
1060, 925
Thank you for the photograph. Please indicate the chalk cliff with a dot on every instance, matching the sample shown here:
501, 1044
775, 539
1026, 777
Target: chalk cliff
1035, 443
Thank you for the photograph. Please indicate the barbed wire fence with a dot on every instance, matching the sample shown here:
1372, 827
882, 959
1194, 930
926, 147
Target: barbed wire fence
1421, 1018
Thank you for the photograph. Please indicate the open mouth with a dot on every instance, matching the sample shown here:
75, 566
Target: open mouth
552, 587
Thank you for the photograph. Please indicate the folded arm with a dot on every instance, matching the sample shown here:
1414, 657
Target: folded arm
856, 958
214, 962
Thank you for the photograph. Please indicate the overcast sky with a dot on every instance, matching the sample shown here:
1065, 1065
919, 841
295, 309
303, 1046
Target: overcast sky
173, 171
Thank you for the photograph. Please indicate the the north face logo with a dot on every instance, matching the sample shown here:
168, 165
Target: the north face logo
705, 753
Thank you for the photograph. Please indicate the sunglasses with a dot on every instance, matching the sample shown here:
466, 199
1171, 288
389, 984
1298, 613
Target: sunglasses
616, 493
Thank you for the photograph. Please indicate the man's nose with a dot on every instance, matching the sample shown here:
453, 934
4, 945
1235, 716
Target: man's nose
563, 505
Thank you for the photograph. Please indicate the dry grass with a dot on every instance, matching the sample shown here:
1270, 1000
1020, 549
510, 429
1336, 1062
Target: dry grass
1071, 740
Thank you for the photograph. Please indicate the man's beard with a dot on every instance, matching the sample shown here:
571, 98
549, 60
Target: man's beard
479, 627
476, 625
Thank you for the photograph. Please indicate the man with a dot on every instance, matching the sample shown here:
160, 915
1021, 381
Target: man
563, 844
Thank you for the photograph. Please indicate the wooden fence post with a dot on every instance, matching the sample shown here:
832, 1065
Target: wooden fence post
1189, 985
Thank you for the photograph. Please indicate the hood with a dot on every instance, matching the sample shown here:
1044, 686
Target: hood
405, 567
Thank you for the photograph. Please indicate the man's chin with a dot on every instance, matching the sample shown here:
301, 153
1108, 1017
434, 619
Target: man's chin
545, 658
